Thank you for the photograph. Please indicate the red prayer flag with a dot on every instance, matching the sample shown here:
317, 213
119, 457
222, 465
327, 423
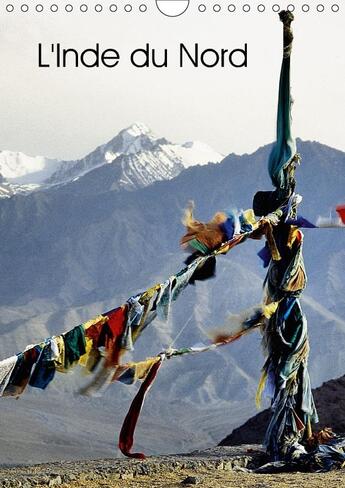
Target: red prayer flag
341, 211
130, 422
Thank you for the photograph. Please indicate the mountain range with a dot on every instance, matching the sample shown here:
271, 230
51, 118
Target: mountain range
84, 244
137, 158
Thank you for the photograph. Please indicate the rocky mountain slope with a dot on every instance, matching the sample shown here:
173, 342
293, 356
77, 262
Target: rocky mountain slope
330, 401
8, 189
80, 248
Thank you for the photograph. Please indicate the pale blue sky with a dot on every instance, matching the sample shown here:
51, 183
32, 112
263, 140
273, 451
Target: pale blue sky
67, 113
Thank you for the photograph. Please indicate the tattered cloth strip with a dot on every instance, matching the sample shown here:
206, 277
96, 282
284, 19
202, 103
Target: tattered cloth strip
74, 345
203, 238
131, 372
284, 150
21, 373
6, 368
44, 369
341, 211
130, 422
240, 324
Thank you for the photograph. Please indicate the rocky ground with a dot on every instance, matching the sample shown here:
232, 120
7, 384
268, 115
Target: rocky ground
218, 467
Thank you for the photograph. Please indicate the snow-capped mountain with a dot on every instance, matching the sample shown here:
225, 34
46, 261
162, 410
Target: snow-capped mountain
143, 156
135, 158
196, 152
22, 174
19, 168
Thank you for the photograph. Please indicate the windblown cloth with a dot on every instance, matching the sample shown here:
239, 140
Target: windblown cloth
284, 150
285, 336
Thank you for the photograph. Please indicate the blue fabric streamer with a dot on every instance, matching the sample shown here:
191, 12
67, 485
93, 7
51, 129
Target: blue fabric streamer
284, 148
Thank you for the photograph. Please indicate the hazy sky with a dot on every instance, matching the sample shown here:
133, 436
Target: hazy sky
66, 113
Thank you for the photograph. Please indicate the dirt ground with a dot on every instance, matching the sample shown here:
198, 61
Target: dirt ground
218, 467
211, 479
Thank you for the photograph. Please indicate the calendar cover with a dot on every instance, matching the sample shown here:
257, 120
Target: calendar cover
161, 164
